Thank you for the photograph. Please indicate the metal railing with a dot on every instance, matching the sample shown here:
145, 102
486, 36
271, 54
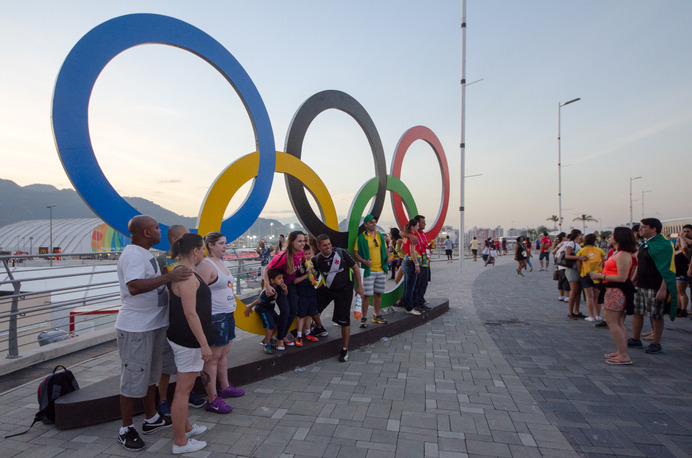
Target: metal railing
40, 305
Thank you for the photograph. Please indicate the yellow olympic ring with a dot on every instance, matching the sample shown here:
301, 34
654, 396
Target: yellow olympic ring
245, 169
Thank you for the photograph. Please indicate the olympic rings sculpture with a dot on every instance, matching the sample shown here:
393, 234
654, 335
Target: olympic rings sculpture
99, 46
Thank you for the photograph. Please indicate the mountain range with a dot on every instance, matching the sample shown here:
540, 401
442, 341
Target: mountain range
21, 203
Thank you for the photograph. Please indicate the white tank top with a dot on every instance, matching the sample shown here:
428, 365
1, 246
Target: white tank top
222, 292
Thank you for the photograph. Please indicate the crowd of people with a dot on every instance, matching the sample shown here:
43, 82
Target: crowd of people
177, 312
637, 271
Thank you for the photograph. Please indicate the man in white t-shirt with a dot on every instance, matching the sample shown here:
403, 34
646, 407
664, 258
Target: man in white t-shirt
141, 328
449, 246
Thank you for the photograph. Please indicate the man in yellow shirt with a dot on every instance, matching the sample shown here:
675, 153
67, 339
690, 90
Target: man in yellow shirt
370, 250
474, 248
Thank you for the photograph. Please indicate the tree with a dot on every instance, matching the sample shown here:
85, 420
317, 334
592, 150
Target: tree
605, 235
554, 219
584, 218
541, 229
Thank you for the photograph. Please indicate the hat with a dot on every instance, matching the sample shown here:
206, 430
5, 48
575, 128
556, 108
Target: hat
368, 218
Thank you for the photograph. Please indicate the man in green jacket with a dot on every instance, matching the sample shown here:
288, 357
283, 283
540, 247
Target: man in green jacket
370, 250
656, 293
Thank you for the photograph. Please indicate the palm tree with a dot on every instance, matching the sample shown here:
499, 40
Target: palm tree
584, 218
554, 219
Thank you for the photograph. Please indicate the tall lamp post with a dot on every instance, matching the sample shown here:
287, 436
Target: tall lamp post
50, 249
631, 180
644, 192
559, 162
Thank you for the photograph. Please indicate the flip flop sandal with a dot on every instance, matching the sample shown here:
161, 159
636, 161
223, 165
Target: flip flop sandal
610, 355
618, 362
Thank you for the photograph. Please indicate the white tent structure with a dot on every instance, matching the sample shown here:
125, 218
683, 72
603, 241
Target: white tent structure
73, 235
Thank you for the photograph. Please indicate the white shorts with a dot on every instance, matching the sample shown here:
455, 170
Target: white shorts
187, 359
375, 282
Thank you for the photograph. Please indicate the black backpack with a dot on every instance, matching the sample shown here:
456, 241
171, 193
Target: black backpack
51, 388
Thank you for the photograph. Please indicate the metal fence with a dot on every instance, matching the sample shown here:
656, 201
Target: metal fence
41, 304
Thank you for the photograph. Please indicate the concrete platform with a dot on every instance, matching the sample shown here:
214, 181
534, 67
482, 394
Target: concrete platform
99, 402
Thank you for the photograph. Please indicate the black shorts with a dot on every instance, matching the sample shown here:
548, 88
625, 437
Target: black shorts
342, 303
448, 252
269, 319
307, 306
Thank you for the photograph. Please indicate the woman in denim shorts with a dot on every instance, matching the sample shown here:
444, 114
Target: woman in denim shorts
215, 273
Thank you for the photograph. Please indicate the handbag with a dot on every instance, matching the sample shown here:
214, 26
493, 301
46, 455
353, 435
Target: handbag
562, 261
556, 275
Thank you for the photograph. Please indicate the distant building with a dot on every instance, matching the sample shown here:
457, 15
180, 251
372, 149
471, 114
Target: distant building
73, 235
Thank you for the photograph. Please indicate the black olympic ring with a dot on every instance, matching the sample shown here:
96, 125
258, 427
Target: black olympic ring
307, 112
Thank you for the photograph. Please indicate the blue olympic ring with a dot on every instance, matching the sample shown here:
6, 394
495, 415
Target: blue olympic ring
73, 89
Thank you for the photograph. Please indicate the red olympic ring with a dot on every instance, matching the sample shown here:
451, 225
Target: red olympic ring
410, 136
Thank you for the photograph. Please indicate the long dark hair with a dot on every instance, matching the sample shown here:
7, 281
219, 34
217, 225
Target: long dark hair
573, 235
624, 237
290, 268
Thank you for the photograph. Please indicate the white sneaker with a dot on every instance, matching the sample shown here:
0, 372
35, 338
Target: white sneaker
589, 319
559, 298
412, 312
191, 446
196, 430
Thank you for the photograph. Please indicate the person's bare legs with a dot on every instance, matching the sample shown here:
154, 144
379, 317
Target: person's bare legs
376, 303
637, 324
658, 330
365, 305
616, 325
682, 296
574, 297
222, 367
179, 408
590, 302
345, 335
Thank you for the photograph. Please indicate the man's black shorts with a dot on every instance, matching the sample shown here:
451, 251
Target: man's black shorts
342, 303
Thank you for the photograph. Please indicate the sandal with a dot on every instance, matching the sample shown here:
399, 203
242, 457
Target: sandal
610, 355
618, 362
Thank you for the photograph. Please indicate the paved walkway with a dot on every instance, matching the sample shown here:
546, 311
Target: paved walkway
504, 373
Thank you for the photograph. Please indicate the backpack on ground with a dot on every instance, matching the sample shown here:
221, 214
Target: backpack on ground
51, 388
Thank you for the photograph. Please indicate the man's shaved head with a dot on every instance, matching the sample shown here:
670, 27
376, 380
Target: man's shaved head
144, 231
175, 232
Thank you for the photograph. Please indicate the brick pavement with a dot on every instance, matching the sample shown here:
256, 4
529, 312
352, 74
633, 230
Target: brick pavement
504, 373
639, 410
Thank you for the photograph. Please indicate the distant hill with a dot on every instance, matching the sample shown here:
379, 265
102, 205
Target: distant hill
21, 203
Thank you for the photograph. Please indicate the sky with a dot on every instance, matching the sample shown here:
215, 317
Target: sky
164, 123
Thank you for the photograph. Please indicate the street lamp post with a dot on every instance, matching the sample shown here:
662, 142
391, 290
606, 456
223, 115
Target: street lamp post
31, 245
559, 161
631, 180
50, 249
643, 192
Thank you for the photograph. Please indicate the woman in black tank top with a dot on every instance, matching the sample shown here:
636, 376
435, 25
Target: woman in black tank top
189, 322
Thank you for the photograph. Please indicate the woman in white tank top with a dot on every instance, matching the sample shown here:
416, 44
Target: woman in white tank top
215, 273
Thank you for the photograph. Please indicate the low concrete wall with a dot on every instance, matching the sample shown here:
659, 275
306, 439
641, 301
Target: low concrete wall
99, 402
54, 350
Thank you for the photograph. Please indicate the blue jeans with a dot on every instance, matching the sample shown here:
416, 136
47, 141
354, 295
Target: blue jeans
421, 285
410, 277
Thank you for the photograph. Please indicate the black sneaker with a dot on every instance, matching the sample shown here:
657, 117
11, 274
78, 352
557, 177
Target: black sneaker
654, 348
600, 324
319, 331
634, 343
344, 356
363, 322
196, 401
163, 423
131, 440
